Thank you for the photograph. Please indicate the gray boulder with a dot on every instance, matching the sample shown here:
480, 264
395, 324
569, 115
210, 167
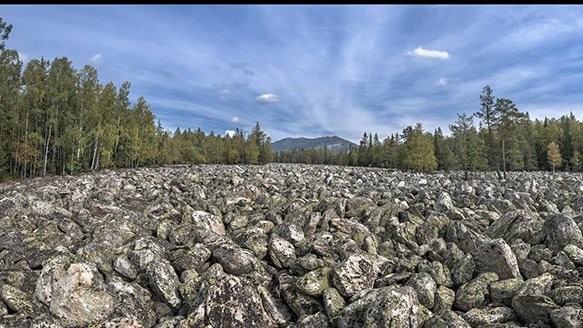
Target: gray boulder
354, 274
496, 256
392, 306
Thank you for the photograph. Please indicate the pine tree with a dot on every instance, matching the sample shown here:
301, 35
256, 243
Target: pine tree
363, 150
489, 116
509, 117
419, 154
461, 131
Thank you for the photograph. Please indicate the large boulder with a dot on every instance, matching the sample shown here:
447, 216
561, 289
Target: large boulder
520, 224
496, 256
354, 274
164, 282
387, 307
562, 231
76, 294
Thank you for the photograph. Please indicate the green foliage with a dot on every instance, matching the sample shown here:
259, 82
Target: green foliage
5, 30
554, 155
418, 152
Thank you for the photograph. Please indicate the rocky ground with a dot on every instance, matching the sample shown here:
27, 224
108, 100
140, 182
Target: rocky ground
291, 246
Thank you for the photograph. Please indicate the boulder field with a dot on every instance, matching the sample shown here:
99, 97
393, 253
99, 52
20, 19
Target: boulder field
289, 245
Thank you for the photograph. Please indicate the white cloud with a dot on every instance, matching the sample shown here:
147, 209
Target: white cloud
235, 119
420, 52
267, 98
442, 81
225, 92
229, 133
97, 58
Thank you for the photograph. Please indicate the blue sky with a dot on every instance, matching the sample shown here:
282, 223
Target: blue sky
318, 70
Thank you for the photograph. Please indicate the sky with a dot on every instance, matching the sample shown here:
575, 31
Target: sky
310, 71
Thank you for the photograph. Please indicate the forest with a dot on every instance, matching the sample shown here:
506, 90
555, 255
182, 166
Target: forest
60, 120
506, 139
57, 119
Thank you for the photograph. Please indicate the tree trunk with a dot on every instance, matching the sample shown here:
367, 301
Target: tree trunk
46, 155
504, 158
94, 159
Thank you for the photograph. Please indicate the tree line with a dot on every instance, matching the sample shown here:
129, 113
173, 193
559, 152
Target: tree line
59, 120
505, 139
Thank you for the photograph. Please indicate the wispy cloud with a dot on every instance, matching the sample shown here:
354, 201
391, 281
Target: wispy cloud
96, 59
441, 82
334, 70
427, 53
267, 98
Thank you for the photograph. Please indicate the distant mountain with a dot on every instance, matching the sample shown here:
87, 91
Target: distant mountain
333, 143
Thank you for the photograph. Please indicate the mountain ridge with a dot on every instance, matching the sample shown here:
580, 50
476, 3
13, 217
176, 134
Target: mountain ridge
333, 143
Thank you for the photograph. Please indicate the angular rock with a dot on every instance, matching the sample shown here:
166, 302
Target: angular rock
391, 306
314, 283
77, 295
496, 256
234, 259
567, 317
354, 274
425, 287
473, 294
463, 270
234, 302
504, 290
164, 282
16, 300
281, 252
333, 302
519, 224
480, 317
561, 231
444, 298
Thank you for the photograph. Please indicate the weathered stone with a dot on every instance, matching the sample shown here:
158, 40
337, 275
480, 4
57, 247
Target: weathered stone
444, 298
314, 283
473, 293
15, 299
496, 256
463, 271
425, 287
234, 302
124, 267
479, 317
354, 274
77, 295
234, 259
561, 231
567, 294
281, 252
519, 224
504, 290
333, 302
575, 254
391, 306
164, 282
567, 317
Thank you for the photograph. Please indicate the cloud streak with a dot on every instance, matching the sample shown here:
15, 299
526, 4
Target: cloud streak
96, 59
427, 53
320, 71
267, 98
